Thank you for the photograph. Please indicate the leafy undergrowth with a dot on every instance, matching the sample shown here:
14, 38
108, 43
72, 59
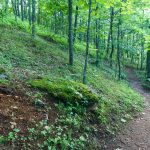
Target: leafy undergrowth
77, 127
3, 77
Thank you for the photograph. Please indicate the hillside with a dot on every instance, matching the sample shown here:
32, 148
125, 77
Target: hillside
23, 61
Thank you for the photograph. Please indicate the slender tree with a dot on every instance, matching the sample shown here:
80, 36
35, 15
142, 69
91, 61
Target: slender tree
29, 12
18, 8
111, 35
148, 64
33, 18
97, 41
22, 10
70, 33
142, 53
87, 43
6, 6
75, 23
118, 51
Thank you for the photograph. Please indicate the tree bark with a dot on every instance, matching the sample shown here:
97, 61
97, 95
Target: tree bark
97, 42
87, 44
75, 24
33, 18
39, 14
148, 64
22, 11
18, 8
29, 12
70, 33
6, 6
118, 52
111, 36
142, 54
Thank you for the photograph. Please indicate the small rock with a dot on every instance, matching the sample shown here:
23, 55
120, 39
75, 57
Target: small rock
14, 107
40, 104
3, 76
13, 125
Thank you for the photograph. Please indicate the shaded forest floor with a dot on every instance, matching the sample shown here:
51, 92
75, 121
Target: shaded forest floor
136, 135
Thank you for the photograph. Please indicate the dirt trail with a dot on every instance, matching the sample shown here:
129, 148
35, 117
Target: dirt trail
136, 135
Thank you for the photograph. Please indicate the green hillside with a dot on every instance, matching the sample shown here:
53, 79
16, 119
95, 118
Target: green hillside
27, 64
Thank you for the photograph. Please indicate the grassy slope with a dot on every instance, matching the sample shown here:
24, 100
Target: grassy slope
26, 59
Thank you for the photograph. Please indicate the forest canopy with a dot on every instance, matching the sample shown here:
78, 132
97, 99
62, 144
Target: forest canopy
114, 29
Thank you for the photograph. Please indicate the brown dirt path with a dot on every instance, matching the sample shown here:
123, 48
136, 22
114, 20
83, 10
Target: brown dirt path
136, 135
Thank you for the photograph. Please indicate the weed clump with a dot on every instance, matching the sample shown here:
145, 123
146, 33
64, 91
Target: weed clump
2, 70
3, 77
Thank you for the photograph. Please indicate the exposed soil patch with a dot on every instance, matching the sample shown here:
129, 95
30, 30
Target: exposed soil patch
136, 135
19, 112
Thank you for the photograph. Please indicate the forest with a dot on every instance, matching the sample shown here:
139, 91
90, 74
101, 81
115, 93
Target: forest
74, 74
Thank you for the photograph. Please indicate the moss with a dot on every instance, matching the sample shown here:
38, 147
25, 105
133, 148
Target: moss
67, 91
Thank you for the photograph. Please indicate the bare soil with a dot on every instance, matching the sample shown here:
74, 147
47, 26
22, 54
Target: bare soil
17, 111
136, 135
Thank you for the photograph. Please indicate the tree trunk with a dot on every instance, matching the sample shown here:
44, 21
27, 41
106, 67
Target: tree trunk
33, 19
55, 22
70, 33
97, 42
29, 12
87, 44
38, 14
111, 35
75, 24
18, 8
15, 9
108, 45
6, 6
22, 12
118, 52
148, 64
80, 34
25, 9
142, 54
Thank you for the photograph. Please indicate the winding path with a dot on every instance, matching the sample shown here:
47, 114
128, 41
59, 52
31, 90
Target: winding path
136, 135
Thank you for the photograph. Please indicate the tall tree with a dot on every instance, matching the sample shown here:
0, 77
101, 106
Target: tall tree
148, 64
29, 12
22, 10
97, 41
111, 35
118, 48
33, 17
6, 5
70, 33
75, 23
87, 43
